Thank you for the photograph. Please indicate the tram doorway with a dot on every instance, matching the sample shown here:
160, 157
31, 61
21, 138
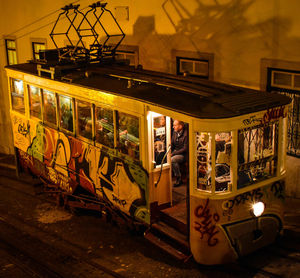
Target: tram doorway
171, 201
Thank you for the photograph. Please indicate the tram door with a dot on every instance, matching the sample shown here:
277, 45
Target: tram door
159, 136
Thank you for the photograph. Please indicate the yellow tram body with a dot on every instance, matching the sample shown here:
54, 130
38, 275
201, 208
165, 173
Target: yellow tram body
225, 176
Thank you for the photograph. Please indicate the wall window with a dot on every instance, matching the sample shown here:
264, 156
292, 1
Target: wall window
203, 143
223, 161
49, 107
193, 67
127, 55
128, 52
288, 83
35, 102
17, 95
11, 52
66, 112
36, 47
84, 119
104, 126
257, 153
128, 130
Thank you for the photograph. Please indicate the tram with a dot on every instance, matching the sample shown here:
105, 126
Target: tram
101, 135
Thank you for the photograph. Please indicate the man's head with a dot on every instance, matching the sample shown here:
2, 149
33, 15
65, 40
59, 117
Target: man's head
178, 125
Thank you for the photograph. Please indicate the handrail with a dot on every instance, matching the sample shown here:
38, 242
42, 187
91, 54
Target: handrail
161, 167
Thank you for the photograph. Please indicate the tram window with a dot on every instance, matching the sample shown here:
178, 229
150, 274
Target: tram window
257, 153
159, 126
104, 126
203, 143
223, 161
66, 112
84, 119
128, 134
17, 95
35, 101
49, 107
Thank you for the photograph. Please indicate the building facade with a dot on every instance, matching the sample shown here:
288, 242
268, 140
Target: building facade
250, 43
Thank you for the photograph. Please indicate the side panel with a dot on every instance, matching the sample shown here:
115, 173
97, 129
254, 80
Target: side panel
223, 230
74, 165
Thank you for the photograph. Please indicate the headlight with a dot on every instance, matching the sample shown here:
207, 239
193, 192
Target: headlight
258, 209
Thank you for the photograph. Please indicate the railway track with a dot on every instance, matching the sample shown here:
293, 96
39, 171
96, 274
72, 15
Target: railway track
39, 255
44, 259
270, 261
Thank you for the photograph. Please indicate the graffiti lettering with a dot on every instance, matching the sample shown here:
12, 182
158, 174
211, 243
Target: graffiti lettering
251, 120
278, 189
252, 196
23, 129
206, 224
117, 200
274, 114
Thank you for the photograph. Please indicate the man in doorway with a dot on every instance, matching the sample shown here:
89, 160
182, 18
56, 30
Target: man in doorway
179, 149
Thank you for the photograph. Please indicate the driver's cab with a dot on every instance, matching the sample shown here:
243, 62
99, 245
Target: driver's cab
165, 199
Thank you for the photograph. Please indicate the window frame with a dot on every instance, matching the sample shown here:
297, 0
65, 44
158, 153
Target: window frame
12, 79
34, 53
293, 141
271, 158
81, 137
117, 135
58, 95
193, 61
114, 123
41, 102
52, 125
7, 49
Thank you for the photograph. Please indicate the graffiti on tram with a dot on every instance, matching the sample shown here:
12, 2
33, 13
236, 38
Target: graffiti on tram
70, 162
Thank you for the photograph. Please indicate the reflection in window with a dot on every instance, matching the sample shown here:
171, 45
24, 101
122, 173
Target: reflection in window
49, 107
159, 128
129, 135
104, 126
35, 101
17, 95
203, 143
84, 119
223, 160
66, 112
257, 153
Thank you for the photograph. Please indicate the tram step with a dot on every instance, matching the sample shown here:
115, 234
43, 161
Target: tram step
166, 246
168, 217
170, 232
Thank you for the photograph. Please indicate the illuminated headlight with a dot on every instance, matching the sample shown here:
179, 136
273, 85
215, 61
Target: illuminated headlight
258, 209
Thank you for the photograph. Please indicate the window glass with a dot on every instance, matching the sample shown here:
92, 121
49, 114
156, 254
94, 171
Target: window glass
35, 101
17, 95
11, 52
104, 126
297, 80
84, 119
49, 107
223, 161
187, 66
203, 143
257, 153
129, 134
281, 78
159, 129
36, 47
66, 112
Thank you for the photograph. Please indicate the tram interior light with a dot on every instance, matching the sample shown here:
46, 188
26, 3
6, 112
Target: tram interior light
258, 208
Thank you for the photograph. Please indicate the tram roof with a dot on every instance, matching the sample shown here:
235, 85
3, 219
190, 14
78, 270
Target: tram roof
197, 98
